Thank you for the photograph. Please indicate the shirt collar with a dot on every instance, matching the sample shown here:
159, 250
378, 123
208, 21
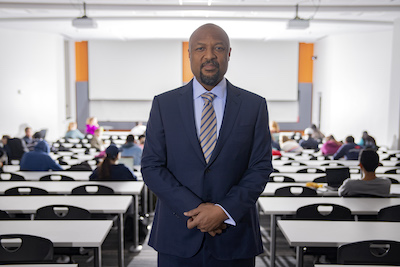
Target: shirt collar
219, 90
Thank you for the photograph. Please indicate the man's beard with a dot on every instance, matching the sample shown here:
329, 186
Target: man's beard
210, 80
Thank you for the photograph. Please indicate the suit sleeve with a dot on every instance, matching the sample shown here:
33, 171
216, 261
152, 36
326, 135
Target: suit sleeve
154, 168
243, 196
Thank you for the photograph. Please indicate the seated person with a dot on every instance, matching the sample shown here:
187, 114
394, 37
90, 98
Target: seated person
28, 138
96, 141
39, 159
369, 185
130, 149
91, 125
289, 145
317, 134
349, 150
367, 141
73, 132
308, 142
330, 146
109, 169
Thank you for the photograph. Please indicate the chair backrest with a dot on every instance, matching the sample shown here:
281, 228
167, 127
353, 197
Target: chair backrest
310, 170
25, 190
333, 163
389, 214
11, 176
393, 171
56, 177
320, 180
19, 248
16, 148
281, 178
62, 212
370, 252
92, 190
294, 163
295, 191
4, 215
393, 181
324, 211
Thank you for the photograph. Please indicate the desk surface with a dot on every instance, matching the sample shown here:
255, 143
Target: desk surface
69, 233
309, 177
336, 233
358, 206
94, 204
65, 187
271, 187
353, 169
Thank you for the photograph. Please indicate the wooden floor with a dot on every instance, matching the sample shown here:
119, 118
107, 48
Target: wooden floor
147, 257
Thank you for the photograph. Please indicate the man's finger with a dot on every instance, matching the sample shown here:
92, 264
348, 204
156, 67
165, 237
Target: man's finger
191, 213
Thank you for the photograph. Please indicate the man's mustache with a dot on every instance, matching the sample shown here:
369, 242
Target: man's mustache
216, 64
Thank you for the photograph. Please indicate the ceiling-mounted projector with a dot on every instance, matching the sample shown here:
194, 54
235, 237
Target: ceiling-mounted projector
298, 23
84, 22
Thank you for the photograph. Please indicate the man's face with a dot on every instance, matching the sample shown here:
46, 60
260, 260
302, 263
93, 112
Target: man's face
209, 54
28, 132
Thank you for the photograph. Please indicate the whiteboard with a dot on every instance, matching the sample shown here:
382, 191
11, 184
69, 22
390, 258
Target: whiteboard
133, 70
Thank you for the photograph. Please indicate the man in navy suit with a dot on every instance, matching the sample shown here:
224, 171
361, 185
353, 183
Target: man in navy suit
206, 209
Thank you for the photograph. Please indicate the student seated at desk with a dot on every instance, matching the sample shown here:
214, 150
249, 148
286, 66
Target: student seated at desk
350, 150
39, 159
109, 169
369, 185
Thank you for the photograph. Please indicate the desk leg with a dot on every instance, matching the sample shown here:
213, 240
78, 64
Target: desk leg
273, 240
299, 256
136, 247
97, 256
145, 199
121, 240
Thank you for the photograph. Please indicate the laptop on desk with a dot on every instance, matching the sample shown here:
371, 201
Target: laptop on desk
336, 176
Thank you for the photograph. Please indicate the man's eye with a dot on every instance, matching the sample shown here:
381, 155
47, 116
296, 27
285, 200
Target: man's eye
199, 48
220, 48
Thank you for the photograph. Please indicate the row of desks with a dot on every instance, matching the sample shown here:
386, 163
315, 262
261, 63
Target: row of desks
279, 206
110, 204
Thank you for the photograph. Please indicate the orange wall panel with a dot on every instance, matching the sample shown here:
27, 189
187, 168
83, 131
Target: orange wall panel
306, 52
187, 74
81, 61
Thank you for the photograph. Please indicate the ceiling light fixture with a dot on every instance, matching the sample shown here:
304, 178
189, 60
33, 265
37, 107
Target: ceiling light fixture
84, 22
298, 23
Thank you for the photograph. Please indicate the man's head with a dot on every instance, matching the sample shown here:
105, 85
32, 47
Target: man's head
28, 132
130, 138
369, 160
349, 139
209, 52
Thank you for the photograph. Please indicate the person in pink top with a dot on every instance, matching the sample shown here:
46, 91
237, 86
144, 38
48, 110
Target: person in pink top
330, 146
91, 125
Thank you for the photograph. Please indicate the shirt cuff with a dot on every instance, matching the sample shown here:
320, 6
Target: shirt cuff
230, 219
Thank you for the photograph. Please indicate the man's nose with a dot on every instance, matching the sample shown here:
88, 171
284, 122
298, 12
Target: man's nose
210, 54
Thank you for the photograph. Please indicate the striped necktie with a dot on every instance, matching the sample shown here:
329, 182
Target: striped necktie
208, 126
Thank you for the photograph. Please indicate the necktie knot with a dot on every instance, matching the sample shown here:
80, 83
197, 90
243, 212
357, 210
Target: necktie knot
208, 97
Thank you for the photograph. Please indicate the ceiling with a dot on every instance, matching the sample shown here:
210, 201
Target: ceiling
176, 19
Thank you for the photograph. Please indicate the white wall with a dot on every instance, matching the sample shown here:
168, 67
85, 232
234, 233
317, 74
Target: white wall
32, 83
352, 72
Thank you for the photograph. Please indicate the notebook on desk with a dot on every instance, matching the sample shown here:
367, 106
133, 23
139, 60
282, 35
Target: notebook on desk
336, 176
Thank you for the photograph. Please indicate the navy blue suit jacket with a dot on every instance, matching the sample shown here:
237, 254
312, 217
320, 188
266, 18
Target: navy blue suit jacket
174, 168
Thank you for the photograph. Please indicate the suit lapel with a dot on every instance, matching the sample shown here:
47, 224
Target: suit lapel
232, 108
186, 107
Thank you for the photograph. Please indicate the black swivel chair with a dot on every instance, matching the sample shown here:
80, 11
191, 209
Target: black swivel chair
335, 213
380, 252
11, 176
62, 212
29, 249
320, 180
25, 190
55, 177
281, 178
390, 214
92, 190
290, 191
310, 170
4, 215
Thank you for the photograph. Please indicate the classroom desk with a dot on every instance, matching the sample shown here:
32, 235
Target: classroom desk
271, 187
69, 233
133, 188
353, 169
278, 206
316, 163
334, 233
40, 265
110, 204
309, 177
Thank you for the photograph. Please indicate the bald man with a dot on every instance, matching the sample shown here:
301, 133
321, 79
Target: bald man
207, 157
